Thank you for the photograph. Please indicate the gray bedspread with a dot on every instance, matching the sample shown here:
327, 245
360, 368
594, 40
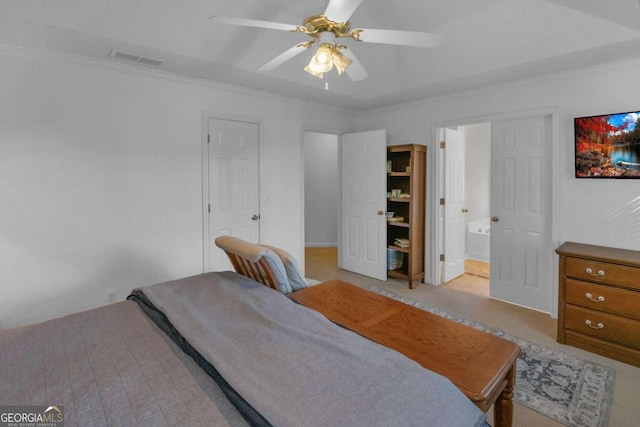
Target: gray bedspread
296, 368
109, 366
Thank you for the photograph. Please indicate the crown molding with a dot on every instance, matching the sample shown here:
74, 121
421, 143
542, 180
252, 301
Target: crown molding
35, 53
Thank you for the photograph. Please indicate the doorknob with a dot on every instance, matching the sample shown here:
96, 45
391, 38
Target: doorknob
380, 213
495, 219
465, 210
255, 217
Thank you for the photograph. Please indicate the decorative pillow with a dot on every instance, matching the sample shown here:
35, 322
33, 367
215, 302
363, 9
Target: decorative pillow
296, 279
280, 271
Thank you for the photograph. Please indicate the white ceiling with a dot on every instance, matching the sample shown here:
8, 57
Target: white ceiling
485, 41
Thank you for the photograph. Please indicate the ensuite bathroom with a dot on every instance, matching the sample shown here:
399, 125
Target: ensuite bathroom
477, 148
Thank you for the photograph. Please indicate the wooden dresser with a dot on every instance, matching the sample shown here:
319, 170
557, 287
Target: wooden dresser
599, 300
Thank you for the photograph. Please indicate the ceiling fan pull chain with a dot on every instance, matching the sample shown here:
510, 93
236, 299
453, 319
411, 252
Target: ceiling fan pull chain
326, 81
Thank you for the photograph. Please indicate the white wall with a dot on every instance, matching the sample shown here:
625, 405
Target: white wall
603, 212
477, 146
322, 189
101, 178
100, 170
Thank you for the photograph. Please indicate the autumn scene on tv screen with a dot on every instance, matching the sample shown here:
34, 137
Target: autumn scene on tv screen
608, 146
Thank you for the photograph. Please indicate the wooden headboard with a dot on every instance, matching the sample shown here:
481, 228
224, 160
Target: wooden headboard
250, 260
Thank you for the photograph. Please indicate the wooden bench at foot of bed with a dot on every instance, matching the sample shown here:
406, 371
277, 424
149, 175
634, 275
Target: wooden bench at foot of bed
481, 365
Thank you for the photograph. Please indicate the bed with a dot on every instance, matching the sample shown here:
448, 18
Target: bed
221, 349
109, 366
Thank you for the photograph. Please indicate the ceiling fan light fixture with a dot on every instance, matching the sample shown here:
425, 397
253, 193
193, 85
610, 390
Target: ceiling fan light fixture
326, 57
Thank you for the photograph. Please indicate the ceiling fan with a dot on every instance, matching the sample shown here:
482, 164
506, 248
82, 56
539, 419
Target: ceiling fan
324, 30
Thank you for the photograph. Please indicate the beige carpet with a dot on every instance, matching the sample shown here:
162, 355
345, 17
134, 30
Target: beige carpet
465, 301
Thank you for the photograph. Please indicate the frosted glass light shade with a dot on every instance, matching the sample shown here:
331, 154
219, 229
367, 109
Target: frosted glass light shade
341, 62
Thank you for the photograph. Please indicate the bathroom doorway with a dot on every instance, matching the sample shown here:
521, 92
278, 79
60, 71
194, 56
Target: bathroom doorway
465, 221
477, 190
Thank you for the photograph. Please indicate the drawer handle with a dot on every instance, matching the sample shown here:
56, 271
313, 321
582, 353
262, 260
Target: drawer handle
598, 326
591, 273
590, 298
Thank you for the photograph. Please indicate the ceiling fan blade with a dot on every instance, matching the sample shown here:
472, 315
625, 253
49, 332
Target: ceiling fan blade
341, 10
355, 71
397, 37
252, 23
283, 57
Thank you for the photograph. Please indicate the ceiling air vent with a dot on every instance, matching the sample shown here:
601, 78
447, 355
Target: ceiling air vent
138, 59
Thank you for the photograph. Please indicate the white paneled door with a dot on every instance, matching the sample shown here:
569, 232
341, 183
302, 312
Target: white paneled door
520, 207
364, 188
233, 186
454, 220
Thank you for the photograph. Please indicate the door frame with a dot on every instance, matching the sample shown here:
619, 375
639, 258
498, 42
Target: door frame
432, 254
206, 115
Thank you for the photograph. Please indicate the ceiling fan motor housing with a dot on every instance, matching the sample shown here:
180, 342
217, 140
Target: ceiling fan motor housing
319, 24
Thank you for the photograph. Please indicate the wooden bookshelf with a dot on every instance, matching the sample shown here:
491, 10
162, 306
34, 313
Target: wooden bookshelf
408, 174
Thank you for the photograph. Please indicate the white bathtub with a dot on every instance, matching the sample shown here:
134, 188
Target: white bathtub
478, 235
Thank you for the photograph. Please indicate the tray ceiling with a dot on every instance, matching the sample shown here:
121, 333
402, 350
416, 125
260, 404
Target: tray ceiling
485, 41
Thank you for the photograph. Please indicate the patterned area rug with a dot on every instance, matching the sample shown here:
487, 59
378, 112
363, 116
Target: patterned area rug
569, 390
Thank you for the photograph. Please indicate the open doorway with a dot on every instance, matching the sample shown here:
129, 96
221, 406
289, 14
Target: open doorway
470, 175
350, 194
321, 201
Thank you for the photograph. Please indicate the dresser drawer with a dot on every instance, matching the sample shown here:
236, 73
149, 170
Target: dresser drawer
615, 274
604, 326
619, 352
603, 298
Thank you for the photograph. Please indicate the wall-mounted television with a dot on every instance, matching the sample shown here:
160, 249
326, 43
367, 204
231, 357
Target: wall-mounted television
608, 145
